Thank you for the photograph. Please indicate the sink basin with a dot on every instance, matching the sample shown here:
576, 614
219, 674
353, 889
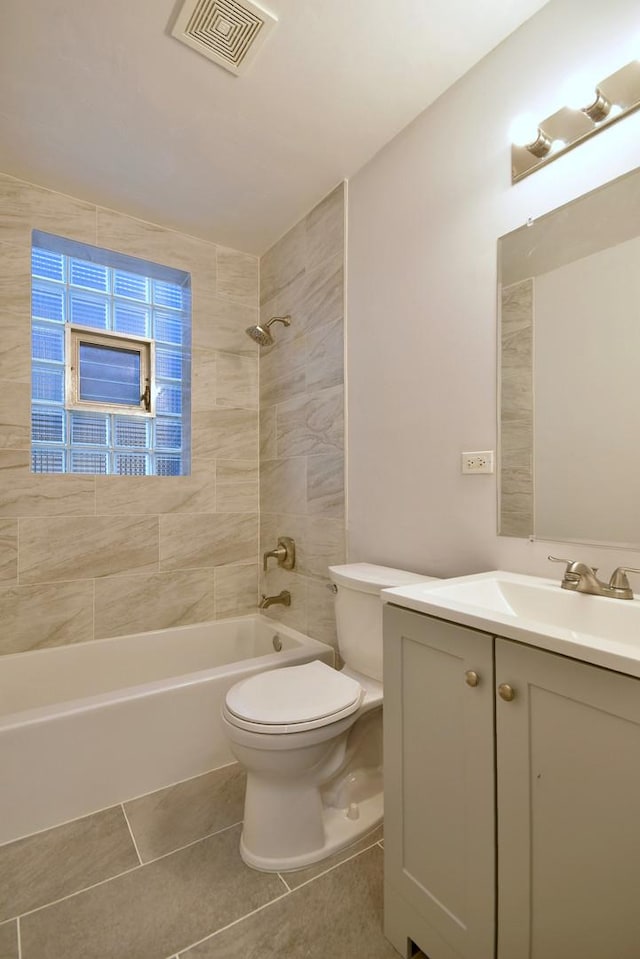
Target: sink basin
536, 611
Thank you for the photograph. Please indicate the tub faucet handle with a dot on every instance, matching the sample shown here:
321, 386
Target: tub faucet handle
285, 553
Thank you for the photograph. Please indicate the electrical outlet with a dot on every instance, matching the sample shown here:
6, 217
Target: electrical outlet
478, 462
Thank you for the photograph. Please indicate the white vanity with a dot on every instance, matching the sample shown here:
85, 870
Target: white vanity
512, 770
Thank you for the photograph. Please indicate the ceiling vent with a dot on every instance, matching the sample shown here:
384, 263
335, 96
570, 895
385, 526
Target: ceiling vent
229, 32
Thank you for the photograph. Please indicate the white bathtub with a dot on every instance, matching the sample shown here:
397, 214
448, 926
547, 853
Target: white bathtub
92, 724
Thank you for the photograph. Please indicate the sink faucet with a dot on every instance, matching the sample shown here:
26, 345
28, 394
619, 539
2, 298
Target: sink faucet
283, 598
583, 579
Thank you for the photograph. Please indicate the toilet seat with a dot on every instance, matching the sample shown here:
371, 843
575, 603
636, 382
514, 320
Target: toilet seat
292, 699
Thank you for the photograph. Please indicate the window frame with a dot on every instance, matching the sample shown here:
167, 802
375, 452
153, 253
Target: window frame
77, 335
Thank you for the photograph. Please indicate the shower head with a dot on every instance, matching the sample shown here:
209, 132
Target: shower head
262, 334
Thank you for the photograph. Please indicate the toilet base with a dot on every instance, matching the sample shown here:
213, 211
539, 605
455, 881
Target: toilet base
342, 827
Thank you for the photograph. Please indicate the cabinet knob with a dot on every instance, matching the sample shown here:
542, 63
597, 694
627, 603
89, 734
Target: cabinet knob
506, 692
471, 678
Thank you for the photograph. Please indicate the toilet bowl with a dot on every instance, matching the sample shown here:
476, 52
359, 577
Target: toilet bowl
310, 736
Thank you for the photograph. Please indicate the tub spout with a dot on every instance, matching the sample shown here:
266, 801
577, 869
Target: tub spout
283, 598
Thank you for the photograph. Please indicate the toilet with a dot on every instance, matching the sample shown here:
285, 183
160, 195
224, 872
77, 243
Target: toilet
310, 737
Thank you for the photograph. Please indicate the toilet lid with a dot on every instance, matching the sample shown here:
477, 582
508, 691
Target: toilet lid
295, 697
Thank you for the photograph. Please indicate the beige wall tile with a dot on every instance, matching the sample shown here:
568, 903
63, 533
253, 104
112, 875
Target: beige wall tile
311, 424
8, 551
190, 541
268, 433
283, 486
23, 493
203, 380
15, 316
24, 206
325, 357
149, 241
237, 381
220, 324
137, 604
72, 548
157, 494
15, 415
321, 619
236, 590
325, 545
283, 262
282, 371
325, 485
224, 434
238, 486
238, 276
325, 229
36, 617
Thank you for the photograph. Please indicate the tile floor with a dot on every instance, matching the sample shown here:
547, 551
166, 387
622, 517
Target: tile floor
161, 877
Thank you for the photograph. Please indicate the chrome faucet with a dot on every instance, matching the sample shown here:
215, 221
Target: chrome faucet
583, 579
283, 599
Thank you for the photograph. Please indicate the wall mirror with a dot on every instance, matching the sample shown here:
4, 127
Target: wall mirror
569, 371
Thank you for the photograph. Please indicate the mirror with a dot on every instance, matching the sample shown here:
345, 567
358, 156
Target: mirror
569, 371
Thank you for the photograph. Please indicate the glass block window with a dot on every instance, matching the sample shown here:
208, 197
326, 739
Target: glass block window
110, 362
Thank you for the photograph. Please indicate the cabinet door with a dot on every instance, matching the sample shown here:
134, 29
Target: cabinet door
439, 786
568, 757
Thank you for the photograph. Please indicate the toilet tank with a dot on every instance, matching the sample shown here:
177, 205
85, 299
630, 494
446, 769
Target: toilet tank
359, 611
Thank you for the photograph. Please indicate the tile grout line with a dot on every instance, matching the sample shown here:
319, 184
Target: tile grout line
133, 838
286, 884
336, 865
235, 922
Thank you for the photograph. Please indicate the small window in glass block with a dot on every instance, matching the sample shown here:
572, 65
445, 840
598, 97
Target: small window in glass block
89, 461
47, 384
89, 430
104, 326
48, 303
91, 276
47, 425
131, 464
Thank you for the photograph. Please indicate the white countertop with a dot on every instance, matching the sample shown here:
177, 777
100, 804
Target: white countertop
535, 611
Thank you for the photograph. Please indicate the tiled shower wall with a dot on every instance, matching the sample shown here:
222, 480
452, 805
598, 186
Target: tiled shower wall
84, 557
302, 413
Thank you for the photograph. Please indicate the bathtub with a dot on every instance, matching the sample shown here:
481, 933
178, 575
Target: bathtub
92, 724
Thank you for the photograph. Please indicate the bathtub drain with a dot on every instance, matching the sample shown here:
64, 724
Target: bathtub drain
277, 643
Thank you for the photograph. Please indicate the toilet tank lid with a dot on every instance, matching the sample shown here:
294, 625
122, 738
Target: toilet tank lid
369, 578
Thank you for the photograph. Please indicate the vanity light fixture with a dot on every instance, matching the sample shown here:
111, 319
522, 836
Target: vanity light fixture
588, 111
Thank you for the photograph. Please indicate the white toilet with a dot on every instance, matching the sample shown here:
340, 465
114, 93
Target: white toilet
310, 737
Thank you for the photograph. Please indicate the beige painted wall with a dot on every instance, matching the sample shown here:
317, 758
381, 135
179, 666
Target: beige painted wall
302, 413
424, 218
83, 557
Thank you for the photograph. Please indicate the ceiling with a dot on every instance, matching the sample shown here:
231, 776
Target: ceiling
98, 100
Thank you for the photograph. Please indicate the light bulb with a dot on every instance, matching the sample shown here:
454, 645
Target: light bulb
524, 130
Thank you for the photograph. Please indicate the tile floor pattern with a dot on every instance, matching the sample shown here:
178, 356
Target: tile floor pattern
161, 877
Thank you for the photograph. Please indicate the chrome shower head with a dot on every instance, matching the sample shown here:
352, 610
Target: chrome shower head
262, 334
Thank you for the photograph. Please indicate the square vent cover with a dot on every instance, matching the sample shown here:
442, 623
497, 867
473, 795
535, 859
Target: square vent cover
229, 32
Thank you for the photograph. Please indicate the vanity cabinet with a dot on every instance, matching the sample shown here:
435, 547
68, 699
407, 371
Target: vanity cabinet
512, 825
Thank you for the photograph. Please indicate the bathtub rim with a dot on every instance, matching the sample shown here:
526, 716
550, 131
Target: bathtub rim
38, 714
